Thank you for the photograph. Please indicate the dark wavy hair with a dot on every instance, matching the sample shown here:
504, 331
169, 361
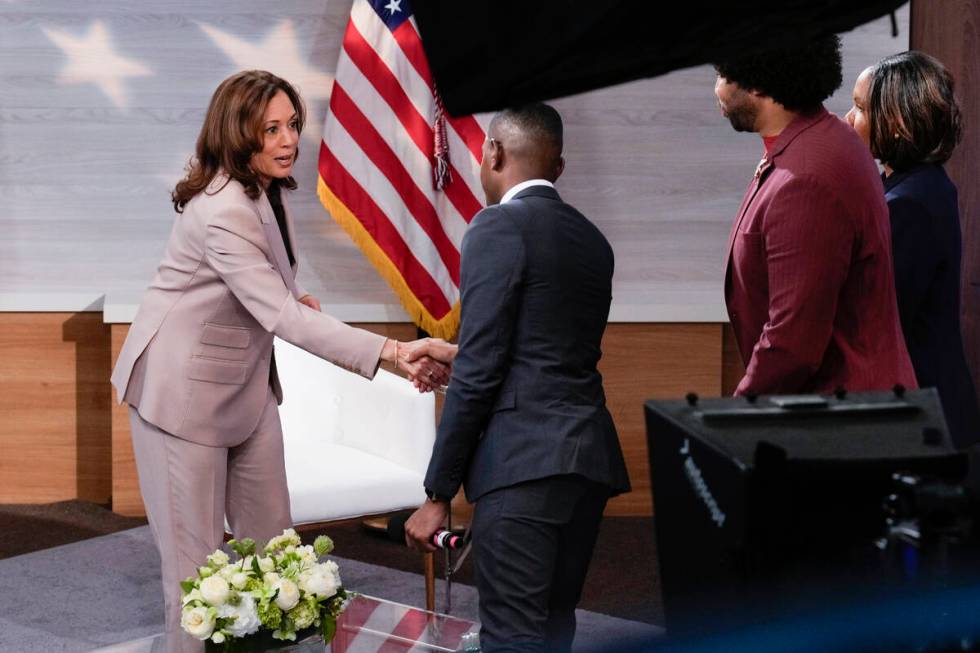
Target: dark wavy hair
232, 133
799, 77
912, 111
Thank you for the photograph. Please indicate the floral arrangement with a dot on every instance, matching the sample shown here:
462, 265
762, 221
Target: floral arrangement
283, 591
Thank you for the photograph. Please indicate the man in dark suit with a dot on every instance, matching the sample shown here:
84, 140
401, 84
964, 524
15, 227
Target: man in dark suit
809, 283
525, 425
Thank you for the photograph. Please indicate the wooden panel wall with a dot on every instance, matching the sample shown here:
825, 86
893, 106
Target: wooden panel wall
126, 497
54, 426
63, 436
653, 361
950, 31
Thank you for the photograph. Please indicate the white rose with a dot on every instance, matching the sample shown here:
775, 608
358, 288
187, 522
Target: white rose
330, 567
228, 571
218, 559
246, 617
215, 590
218, 638
267, 564
288, 595
198, 622
320, 582
239, 580
193, 595
306, 553
270, 579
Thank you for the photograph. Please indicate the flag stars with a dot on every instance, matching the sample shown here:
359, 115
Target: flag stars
394, 6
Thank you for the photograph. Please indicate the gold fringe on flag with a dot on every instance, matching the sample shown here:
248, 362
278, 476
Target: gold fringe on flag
441, 328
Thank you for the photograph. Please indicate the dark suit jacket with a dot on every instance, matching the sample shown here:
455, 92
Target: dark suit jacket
927, 245
526, 401
810, 287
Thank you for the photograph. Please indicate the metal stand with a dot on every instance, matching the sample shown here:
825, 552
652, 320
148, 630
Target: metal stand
453, 567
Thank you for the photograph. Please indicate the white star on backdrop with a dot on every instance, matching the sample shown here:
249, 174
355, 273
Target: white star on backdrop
394, 6
279, 54
92, 60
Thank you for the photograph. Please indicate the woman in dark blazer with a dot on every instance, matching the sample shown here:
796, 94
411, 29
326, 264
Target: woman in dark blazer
905, 110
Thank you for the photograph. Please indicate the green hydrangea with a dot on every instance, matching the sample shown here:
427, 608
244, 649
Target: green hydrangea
270, 615
304, 614
323, 545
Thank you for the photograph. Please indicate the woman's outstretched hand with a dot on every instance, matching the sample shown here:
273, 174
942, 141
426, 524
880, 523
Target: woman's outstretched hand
427, 361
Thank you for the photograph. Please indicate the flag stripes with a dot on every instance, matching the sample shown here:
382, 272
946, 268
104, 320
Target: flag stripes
375, 226
377, 157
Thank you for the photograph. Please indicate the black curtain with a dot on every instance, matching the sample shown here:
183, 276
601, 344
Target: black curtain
489, 54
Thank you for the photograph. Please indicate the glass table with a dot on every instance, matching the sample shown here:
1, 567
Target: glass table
368, 625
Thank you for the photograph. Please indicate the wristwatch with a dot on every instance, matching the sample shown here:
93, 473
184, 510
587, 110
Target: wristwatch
432, 496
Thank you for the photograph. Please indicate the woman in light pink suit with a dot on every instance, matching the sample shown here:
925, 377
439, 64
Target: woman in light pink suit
197, 367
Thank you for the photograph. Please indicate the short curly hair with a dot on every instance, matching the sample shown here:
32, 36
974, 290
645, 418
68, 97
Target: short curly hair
537, 119
799, 77
913, 111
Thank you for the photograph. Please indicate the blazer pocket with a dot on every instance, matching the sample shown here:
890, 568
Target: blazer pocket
749, 252
215, 370
226, 336
506, 400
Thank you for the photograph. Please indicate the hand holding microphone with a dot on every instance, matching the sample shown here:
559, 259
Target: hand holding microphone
424, 525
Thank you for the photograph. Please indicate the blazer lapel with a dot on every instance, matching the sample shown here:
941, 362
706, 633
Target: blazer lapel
757, 180
272, 235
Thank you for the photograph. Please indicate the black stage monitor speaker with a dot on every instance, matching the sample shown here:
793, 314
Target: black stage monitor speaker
773, 504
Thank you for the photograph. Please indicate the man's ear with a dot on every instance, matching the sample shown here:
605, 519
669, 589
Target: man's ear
560, 168
496, 156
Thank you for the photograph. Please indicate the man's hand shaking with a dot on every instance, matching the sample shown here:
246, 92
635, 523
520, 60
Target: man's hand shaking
433, 349
426, 372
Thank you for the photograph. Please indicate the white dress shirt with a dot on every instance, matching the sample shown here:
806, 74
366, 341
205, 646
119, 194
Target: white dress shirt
514, 190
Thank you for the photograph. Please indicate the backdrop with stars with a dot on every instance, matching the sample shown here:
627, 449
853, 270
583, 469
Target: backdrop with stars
100, 105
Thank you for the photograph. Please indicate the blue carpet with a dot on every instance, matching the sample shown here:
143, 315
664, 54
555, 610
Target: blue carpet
106, 590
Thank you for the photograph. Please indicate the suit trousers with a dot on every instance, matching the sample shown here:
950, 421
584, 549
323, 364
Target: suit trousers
189, 488
532, 545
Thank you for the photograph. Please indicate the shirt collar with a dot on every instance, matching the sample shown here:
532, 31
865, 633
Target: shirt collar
514, 190
801, 123
898, 176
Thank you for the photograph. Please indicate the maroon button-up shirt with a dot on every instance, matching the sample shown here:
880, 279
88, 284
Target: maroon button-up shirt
809, 283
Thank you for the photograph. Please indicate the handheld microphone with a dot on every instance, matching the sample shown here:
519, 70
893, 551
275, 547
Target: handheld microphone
448, 540
442, 538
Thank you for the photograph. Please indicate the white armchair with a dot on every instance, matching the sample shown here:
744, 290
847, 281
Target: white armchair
353, 447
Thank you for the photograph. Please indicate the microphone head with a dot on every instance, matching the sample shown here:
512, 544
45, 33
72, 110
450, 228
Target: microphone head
448, 540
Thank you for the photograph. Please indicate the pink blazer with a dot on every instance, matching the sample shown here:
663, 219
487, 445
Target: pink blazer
810, 287
198, 359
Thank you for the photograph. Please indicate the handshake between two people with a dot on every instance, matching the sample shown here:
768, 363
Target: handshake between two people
427, 361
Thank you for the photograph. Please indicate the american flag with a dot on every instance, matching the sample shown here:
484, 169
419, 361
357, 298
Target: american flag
399, 175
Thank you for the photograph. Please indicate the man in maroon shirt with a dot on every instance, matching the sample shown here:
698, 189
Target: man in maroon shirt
809, 282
